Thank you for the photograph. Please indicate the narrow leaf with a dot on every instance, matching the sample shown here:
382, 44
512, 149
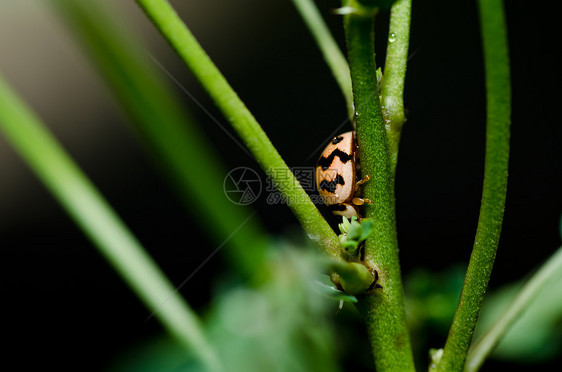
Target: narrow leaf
98, 221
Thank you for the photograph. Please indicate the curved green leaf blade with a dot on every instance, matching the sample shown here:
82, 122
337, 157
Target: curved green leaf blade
521, 318
99, 222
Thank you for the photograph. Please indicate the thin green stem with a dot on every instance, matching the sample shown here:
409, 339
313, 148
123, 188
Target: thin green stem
383, 311
99, 222
392, 90
330, 50
498, 92
182, 40
480, 351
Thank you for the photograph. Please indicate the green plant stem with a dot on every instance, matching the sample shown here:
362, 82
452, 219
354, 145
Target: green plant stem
392, 90
98, 221
498, 94
182, 40
330, 50
184, 155
383, 311
480, 351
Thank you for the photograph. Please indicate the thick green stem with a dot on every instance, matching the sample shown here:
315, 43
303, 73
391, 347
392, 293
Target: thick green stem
383, 310
182, 40
480, 351
498, 92
329, 48
392, 90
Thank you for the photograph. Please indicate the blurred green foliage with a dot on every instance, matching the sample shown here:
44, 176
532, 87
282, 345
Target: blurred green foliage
537, 334
281, 325
431, 301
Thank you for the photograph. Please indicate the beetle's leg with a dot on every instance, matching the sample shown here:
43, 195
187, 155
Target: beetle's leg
359, 183
361, 201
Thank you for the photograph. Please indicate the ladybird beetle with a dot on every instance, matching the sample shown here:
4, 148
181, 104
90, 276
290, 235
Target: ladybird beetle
336, 176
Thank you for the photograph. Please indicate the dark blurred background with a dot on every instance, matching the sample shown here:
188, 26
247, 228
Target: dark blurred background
60, 298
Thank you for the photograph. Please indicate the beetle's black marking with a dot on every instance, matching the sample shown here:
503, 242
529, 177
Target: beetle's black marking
330, 186
337, 207
326, 162
337, 140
